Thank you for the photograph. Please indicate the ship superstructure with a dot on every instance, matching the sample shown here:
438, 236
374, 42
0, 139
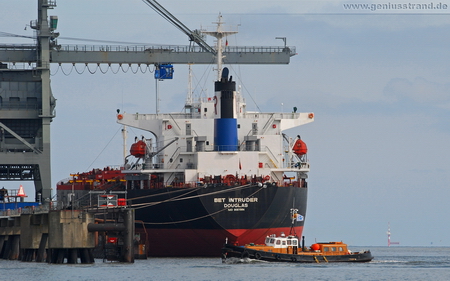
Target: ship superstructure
217, 137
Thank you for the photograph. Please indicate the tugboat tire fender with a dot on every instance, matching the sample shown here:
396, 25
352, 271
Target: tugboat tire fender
258, 255
245, 254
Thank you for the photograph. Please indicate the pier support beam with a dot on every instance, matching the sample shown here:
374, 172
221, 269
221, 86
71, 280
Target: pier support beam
2, 242
42, 245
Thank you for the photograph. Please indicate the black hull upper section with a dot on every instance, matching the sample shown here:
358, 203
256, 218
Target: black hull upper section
218, 207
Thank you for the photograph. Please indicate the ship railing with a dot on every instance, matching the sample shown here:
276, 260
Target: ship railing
41, 209
301, 165
219, 148
268, 123
270, 155
175, 154
271, 115
272, 183
11, 212
181, 115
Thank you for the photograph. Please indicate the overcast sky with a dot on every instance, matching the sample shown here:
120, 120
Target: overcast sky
378, 83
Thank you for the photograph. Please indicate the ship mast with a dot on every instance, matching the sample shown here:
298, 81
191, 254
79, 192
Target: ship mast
189, 97
219, 34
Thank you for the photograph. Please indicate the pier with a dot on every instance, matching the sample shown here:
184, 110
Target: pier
43, 234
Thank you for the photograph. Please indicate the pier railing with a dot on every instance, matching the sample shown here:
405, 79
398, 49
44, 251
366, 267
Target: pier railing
172, 48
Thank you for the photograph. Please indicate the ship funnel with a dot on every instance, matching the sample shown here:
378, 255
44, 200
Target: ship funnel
225, 124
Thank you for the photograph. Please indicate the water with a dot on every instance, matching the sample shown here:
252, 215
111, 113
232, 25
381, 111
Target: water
394, 263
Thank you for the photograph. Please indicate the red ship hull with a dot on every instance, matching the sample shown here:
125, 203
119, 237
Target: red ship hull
192, 242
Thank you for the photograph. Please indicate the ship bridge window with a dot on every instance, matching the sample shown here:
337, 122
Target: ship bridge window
278, 242
284, 243
272, 240
325, 249
289, 242
333, 249
294, 242
341, 249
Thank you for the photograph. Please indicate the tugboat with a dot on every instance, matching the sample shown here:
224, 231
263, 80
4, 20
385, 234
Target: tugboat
287, 249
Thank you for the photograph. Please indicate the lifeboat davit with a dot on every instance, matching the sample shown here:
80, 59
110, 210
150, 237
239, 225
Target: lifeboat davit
138, 149
300, 147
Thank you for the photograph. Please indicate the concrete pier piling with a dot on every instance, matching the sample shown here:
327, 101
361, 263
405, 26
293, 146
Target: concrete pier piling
68, 236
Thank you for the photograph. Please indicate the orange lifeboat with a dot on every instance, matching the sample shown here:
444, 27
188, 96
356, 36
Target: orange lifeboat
300, 147
138, 149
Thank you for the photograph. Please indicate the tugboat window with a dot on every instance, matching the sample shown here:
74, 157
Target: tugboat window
278, 242
333, 249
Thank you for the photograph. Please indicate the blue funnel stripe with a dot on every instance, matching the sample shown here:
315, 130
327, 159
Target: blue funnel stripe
225, 134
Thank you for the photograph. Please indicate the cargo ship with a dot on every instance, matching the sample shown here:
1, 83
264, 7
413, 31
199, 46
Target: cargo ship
215, 171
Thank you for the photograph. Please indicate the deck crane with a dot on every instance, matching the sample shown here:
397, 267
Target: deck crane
194, 36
